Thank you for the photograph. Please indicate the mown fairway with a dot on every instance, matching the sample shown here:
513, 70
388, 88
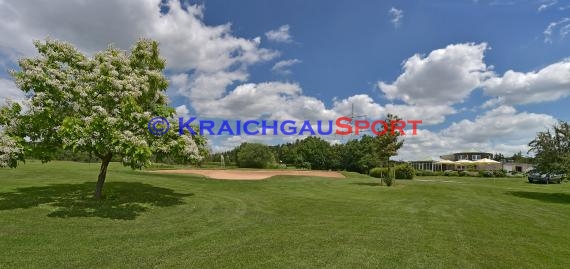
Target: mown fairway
48, 220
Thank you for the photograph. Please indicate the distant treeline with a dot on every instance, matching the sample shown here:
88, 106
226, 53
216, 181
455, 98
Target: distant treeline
357, 155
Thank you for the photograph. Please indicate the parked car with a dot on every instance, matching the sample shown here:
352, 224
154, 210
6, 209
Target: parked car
534, 176
555, 178
537, 177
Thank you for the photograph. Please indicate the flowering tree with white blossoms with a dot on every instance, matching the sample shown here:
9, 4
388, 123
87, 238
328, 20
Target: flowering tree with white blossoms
100, 105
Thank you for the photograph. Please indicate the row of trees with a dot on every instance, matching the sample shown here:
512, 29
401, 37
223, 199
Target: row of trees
517, 158
358, 155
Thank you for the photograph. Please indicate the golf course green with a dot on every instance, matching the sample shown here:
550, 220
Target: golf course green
49, 219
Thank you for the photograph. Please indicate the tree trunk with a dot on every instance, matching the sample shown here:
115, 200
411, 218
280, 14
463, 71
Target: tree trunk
102, 175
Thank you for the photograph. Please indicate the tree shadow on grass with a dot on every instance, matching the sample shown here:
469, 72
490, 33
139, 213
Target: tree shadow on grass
371, 184
561, 198
122, 200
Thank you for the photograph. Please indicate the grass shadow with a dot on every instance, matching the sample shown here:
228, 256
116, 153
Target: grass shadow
561, 198
371, 184
122, 200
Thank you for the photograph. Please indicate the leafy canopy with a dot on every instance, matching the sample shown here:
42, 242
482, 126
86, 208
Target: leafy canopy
254, 155
552, 149
100, 105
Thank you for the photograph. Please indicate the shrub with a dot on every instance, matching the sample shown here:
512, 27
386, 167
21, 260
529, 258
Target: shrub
500, 173
450, 173
384, 173
378, 172
304, 165
273, 166
425, 173
404, 171
388, 179
254, 155
472, 173
462, 173
485, 174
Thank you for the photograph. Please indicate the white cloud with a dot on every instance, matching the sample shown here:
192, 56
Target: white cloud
10, 92
430, 85
445, 76
282, 67
548, 84
502, 3
547, 5
448, 76
502, 129
182, 111
186, 42
432, 114
564, 30
501, 123
397, 15
563, 25
359, 105
275, 100
280, 34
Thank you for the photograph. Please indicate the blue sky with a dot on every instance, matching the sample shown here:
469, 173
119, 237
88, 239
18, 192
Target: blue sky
483, 75
346, 46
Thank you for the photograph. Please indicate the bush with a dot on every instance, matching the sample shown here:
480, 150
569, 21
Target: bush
304, 165
404, 171
450, 173
485, 174
388, 179
425, 173
254, 155
384, 173
462, 173
378, 172
500, 173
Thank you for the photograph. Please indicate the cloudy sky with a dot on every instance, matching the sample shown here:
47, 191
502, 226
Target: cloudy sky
481, 74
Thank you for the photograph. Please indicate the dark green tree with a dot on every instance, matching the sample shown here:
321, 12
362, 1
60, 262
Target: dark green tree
254, 155
388, 144
317, 152
552, 149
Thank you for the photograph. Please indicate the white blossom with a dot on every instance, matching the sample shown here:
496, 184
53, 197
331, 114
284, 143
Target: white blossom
9, 150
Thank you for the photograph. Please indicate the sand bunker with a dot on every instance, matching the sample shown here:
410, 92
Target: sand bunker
235, 174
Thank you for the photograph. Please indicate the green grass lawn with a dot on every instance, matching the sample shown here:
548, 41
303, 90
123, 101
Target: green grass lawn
48, 219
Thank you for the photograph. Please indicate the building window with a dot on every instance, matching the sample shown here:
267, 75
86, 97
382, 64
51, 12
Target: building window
475, 157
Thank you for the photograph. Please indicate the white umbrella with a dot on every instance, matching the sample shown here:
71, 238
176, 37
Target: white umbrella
486, 161
487, 164
464, 163
445, 163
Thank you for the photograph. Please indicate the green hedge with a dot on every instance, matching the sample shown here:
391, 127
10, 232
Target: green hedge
384, 173
404, 171
378, 172
485, 173
500, 173
450, 173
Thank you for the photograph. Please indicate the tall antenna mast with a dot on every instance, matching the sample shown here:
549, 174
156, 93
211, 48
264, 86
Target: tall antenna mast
352, 122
